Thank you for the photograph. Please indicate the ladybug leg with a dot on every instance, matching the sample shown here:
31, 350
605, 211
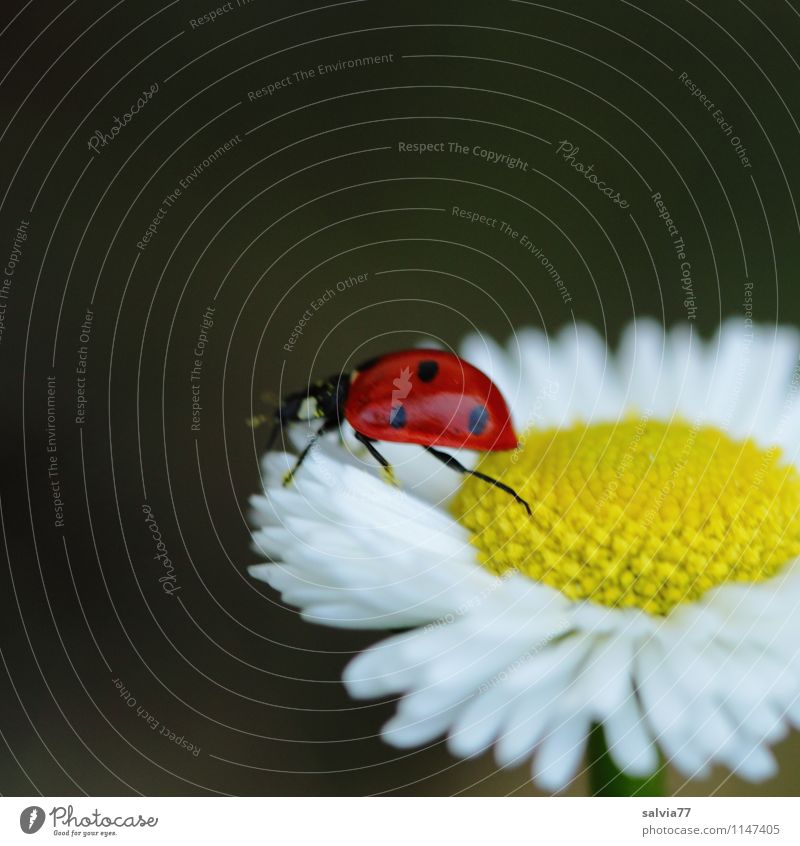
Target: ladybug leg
453, 463
327, 426
370, 445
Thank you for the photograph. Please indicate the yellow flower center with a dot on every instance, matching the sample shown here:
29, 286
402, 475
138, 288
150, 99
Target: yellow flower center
637, 513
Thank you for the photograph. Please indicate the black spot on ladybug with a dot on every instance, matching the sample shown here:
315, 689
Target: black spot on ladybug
478, 420
427, 370
397, 417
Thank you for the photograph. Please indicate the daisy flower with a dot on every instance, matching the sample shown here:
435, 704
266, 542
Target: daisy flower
652, 596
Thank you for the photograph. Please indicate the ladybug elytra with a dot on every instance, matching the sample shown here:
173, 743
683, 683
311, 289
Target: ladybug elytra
420, 396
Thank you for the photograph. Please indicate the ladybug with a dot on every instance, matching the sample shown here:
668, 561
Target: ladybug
428, 397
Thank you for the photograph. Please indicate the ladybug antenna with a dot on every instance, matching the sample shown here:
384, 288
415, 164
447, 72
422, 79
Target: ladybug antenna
453, 463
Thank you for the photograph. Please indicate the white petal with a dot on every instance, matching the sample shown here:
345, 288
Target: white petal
640, 361
667, 713
522, 690
381, 669
591, 379
686, 374
478, 723
520, 738
606, 678
406, 730
560, 753
534, 696
727, 359
629, 741
541, 400
750, 762
774, 356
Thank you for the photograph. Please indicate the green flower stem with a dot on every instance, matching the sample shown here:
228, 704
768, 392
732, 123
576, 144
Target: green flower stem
606, 779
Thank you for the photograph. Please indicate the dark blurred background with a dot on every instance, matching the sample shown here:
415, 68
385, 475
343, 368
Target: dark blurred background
312, 189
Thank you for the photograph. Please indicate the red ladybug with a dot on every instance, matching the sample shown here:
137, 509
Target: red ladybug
427, 397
